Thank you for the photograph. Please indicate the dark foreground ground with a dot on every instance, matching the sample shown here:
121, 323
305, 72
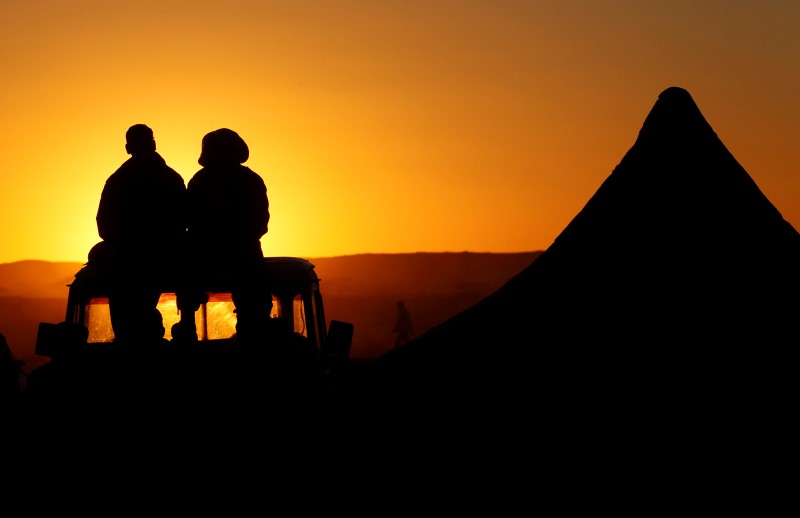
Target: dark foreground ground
237, 425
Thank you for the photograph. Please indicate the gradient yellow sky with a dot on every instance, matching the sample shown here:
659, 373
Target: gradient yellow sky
382, 126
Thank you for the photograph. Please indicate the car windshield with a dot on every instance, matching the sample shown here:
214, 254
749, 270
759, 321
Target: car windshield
215, 320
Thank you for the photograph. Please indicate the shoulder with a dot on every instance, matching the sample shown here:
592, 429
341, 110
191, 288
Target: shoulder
176, 176
251, 175
121, 173
198, 177
158, 159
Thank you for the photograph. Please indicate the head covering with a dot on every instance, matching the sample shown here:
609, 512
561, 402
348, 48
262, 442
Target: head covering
139, 138
223, 146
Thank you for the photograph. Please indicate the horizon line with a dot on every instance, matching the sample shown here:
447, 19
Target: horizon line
442, 252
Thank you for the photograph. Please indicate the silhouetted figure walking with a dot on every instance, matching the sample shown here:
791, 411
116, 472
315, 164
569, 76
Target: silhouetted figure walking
402, 325
141, 219
228, 213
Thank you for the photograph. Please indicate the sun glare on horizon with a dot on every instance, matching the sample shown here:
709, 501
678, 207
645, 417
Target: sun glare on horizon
454, 126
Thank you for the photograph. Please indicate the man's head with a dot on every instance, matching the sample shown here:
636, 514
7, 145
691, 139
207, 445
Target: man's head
139, 139
223, 147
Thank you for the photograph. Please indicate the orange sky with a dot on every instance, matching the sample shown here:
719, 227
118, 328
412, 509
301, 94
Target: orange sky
382, 126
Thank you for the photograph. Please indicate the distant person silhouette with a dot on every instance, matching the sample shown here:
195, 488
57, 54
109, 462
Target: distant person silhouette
227, 214
141, 219
402, 325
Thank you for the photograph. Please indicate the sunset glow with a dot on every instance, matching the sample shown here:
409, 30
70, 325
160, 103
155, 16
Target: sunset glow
384, 126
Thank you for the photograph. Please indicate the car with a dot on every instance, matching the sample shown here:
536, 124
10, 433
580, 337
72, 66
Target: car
297, 310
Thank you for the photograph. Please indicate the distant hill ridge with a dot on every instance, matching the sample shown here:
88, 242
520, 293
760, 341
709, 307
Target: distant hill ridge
37, 279
360, 288
366, 273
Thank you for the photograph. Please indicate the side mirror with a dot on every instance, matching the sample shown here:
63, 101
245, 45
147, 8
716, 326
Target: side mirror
60, 339
339, 340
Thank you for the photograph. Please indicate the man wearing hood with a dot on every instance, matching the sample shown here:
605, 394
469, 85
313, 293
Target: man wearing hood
227, 214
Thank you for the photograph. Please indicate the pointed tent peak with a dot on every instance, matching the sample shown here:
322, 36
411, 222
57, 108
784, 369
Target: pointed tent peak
677, 93
675, 116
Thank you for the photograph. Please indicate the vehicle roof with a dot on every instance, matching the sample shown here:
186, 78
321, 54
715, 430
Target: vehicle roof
290, 269
283, 271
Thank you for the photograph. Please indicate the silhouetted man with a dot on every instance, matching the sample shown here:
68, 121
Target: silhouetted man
402, 325
228, 213
141, 219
